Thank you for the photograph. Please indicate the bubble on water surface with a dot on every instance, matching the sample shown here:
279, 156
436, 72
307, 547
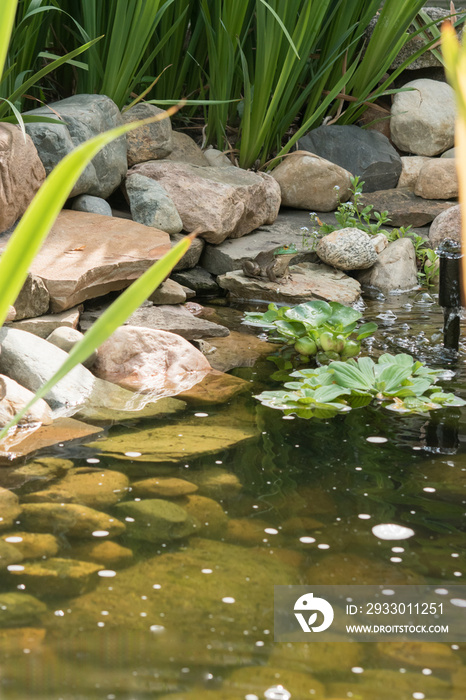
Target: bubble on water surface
377, 439
424, 298
277, 692
391, 531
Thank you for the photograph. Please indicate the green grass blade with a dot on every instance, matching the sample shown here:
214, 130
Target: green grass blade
110, 320
40, 216
283, 28
7, 19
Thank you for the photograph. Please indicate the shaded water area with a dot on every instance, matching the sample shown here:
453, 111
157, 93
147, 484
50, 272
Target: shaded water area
278, 501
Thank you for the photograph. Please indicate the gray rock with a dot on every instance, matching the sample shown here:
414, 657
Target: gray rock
150, 204
395, 270
156, 520
347, 249
20, 609
198, 279
42, 326
176, 319
446, 225
169, 292
83, 116
230, 255
191, 257
423, 119
451, 153
362, 152
151, 141
404, 207
66, 338
308, 281
33, 299
91, 204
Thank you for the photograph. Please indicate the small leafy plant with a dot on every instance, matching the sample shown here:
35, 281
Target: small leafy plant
326, 331
353, 214
398, 382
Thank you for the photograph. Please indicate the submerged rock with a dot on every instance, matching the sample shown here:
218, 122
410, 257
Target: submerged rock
163, 487
9, 508
211, 520
57, 577
216, 387
223, 202
107, 553
307, 281
8, 555
68, 519
256, 680
19, 609
32, 545
156, 520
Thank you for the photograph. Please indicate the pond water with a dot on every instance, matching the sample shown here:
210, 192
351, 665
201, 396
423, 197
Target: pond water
278, 501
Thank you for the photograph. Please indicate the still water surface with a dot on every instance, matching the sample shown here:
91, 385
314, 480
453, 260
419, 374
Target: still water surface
279, 501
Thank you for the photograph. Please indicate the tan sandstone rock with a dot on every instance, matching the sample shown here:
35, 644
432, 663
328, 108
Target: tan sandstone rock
148, 360
186, 150
410, 169
311, 182
21, 174
437, 179
87, 255
13, 397
446, 225
223, 202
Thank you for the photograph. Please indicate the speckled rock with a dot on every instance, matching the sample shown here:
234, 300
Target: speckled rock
156, 520
9, 508
312, 182
347, 249
446, 225
438, 179
19, 609
151, 141
88, 486
33, 299
423, 119
57, 577
68, 519
186, 150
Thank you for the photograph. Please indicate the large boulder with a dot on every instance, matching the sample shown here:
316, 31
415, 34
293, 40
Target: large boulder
88, 255
222, 202
150, 204
423, 118
312, 182
153, 361
151, 141
446, 225
395, 270
437, 179
21, 174
347, 249
367, 154
84, 116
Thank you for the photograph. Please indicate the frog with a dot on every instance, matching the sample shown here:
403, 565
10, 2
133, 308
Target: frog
271, 263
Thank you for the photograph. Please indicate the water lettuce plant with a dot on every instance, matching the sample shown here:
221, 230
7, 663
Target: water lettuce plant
37, 221
326, 331
398, 382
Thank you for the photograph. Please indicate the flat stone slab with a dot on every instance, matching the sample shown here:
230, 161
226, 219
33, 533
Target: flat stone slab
230, 254
88, 255
404, 207
307, 281
27, 442
191, 438
176, 319
43, 326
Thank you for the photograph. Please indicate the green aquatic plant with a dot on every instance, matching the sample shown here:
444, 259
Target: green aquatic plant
398, 382
326, 331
